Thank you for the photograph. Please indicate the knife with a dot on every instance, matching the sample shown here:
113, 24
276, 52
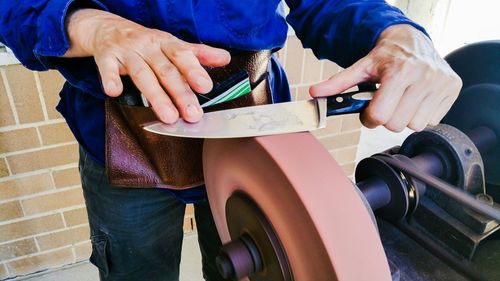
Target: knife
269, 119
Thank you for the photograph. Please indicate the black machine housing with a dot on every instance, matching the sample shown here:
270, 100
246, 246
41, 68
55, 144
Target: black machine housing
427, 234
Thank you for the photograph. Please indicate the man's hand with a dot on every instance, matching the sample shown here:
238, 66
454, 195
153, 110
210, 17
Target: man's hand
157, 62
417, 87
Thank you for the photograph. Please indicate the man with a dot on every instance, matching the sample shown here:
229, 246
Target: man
162, 45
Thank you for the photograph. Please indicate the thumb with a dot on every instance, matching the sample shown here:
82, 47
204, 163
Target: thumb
355, 74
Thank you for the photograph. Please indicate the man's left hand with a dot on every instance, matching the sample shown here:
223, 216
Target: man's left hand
417, 87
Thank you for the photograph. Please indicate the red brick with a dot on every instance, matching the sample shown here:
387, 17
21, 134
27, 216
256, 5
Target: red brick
312, 68
189, 210
56, 133
25, 186
63, 238
333, 125
303, 93
53, 201
10, 210
350, 122
329, 69
17, 249
28, 227
281, 55
25, 93
345, 155
6, 114
340, 141
16, 140
43, 159
51, 82
4, 171
76, 216
348, 168
66, 177
188, 225
83, 251
43, 261
294, 56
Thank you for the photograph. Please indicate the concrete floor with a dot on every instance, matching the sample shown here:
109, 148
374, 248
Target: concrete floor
85, 271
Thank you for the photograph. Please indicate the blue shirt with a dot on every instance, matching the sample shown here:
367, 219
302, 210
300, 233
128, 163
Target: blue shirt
340, 30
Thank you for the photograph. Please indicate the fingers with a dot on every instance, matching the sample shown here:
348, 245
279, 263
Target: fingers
441, 90
425, 102
189, 58
211, 56
453, 90
444, 106
165, 69
410, 94
406, 108
384, 103
435, 107
352, 76
417, 87
189, 67
146, 81
109, 70
425, 113
177, 87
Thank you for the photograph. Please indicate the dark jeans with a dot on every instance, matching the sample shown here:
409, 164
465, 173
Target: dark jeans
137, 233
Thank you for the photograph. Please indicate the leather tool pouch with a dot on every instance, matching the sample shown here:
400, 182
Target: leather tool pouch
138, 158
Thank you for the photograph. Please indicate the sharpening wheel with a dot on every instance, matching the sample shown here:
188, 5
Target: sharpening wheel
323, 227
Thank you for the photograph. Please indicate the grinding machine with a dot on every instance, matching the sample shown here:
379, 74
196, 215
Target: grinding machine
426, 210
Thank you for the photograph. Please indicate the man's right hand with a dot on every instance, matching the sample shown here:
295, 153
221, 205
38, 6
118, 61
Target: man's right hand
158, 62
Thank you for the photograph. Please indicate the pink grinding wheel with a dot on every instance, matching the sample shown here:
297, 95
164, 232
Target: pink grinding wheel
324, 228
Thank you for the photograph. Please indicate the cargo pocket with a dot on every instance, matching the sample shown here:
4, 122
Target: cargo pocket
99, 255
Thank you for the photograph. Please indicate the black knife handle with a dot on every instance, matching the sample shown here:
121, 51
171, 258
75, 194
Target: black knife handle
352, 102
130, 95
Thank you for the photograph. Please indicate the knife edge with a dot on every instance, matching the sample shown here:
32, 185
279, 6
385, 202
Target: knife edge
249, 121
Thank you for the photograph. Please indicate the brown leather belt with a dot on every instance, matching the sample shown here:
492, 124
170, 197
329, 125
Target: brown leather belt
138, 158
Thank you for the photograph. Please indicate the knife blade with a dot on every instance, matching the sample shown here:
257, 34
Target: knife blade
269, 119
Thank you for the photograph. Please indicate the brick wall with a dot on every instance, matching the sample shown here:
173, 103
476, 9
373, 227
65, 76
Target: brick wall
43, 221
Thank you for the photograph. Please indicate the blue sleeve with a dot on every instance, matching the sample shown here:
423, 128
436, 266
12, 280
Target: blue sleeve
343, 30
35, 31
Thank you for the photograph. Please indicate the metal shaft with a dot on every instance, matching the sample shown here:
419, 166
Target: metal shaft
378, 193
